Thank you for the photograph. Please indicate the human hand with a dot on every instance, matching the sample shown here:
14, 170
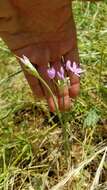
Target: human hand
45, 33
54, 45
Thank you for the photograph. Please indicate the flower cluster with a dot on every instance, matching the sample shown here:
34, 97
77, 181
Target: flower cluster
74, 68
69, 67
52, 73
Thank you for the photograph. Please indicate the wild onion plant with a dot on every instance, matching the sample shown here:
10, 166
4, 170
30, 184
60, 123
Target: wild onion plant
61, 83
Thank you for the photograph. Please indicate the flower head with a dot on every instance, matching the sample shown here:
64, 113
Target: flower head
28, 66
61, 73
51, 73
25, 60
74, 68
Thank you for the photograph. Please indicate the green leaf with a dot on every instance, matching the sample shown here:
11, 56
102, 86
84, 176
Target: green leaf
92, 118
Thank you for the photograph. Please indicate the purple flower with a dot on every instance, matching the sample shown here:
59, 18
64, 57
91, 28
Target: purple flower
68, 65
74, 68
61, 73
51, 72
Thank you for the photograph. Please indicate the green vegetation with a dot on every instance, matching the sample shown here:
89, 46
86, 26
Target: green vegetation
31, 149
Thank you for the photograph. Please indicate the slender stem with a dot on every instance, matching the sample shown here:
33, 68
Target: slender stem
51, 93
100, 71
31, 69
66, 144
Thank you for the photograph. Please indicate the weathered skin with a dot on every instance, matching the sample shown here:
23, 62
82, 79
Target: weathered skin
44, 31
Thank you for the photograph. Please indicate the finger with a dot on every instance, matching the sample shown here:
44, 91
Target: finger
62, 93
51, 104
34, 84
75, 85
64, 99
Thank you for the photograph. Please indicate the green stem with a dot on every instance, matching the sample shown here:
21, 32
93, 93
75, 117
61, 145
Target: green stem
34, 72
66, 144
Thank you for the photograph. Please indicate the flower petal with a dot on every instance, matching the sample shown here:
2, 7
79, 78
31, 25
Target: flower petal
68, 65
72, 70
79, 70
26, 59
22, 60
60, 75
77, 74
51, 73
74, 66
62, 70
